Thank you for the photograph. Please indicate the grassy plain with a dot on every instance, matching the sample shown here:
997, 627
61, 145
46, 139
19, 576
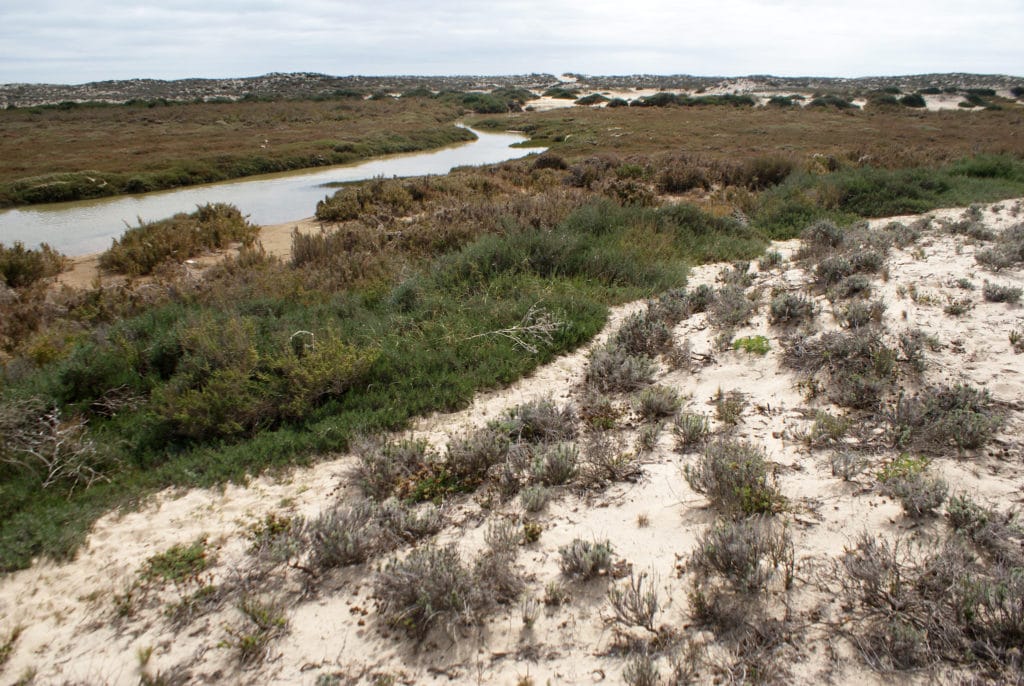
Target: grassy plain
52, 153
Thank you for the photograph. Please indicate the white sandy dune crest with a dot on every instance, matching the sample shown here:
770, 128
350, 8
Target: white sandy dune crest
69, 612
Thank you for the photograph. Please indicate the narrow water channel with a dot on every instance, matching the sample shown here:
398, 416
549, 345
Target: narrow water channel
79, 228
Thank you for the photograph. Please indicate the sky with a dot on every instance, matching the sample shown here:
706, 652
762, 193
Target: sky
76, 41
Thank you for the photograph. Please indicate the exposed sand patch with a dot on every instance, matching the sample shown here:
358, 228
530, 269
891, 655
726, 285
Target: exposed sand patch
72, 632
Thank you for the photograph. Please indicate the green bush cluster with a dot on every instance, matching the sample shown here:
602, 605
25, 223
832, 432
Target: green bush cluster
141, 249
21, 267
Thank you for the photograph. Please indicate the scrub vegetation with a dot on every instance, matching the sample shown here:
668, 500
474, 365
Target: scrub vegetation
420, 292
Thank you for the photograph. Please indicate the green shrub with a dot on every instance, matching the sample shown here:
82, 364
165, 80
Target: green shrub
21, 267
757, 345
211, 226
735, 478
179, 562
913, 100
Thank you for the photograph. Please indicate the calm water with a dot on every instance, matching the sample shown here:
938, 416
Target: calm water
78, 228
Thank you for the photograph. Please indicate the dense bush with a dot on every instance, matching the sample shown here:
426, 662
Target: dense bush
21, 266
210, 227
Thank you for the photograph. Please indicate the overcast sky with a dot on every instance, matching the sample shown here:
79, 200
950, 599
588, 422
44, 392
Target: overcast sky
74, 41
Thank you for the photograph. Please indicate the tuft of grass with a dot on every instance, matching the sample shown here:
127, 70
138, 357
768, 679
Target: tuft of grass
735, 477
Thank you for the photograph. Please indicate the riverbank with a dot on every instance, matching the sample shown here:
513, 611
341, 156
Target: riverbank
84, 271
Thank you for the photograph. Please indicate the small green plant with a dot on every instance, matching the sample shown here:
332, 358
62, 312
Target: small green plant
756, 345
585, 559
178, 562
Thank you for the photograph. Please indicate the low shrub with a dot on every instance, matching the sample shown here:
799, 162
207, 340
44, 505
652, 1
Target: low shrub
556, 464
585, 559
383, 464
735, 478
861, 368
142, 248
916, 605
21, 267
791, 308
858, 313
996, 293
540, 421
657, 401
729, 406
643, 333
730, 308
429, 587
633, 605
746, 553
938, 416
691, 430
613, 369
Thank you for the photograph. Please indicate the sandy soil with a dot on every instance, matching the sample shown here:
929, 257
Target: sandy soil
87, 621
